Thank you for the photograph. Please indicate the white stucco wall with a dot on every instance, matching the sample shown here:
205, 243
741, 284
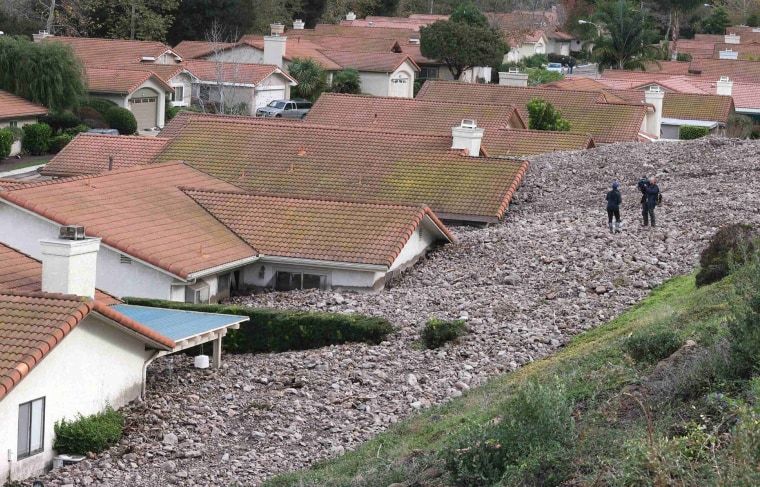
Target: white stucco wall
95, 365
335, 277
183, 80
417, 245
20, 122
242, 54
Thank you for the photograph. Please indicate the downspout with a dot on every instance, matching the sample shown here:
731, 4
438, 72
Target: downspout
143, 386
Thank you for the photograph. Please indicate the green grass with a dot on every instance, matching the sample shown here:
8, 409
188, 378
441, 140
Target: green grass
8, 165
594, 367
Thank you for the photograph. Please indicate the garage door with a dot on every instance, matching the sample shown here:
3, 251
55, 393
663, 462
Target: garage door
265, 96
145, 111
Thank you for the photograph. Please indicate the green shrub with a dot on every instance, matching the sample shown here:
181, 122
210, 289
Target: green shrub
739, 126
652, 345
122, 120
535, 61
744, 325
18, 132
58, 142
683, 56
437, 332
36, 138
93, 118
271, 330
690, 132
730, 243
528, 445
6, 143
61, 120
74, 131
100, 105
94, 433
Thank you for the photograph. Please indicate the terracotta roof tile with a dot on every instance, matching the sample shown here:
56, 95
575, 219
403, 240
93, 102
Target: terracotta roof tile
713, 69
296, 48
400, 33
311, 161
142, 212
355, 43
607, 122
378, 62
12, 106
21, 272
314, 229
698, 49
97, 52
177, 124
408, 114
89, 154
199, 49
116, 80
749, 51
687, 106
248, 73
523, 143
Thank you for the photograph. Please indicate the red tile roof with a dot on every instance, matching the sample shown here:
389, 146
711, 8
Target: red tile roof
400, 34
686, 106
311, 161
12, 106
358, 233
377, 62
523, 143
698, 49
104, 52
607, 122
737, 70
120, 81
21, 272
355, 43
199, 49
408, 114
577, 84
142, 212
32, 324
239, 73
89, 154
295, 48
177, 124
749, 51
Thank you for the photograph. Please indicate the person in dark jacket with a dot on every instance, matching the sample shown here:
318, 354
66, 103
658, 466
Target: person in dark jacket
614, 199
649, 192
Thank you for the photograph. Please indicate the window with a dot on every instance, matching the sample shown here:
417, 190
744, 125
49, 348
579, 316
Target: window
179, 94
31, 427
13, 123
429, 73
289, 281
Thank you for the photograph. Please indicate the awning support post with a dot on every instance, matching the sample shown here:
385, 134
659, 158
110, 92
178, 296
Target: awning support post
218, 351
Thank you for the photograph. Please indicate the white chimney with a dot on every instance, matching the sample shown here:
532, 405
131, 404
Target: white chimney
724, 86
276, 29
654, 96
43, 34
467, 136
513, 78
69, 262
274, 49
732, 39
298, 24
350, 16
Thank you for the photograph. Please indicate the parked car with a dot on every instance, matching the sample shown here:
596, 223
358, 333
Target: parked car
555, 67
285, 109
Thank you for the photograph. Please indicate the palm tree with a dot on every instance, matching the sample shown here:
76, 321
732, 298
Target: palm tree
311, 77
624, 45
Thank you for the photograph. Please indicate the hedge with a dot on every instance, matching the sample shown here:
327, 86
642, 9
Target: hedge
101, 105
271, 330
690, 132
94, 433
36, 139
58, 142
6, 143
122, 120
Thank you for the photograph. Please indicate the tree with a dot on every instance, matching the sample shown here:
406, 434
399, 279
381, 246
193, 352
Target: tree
461, 46
540, 76
624, 46
543, 116
678, 8
270, 11
47, 73
311, 77
347, 81
716, 22
336, 10
194, 16
467, 13
753, 20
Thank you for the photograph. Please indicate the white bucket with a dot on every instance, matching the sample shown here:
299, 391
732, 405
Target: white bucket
201, 362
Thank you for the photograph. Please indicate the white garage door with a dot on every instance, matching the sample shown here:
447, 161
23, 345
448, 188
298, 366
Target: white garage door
145, 111
263, 97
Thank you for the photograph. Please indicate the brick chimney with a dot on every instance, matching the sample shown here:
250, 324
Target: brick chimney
298, 24
274, 49
467, 136
724, 86
69, 262
654, 96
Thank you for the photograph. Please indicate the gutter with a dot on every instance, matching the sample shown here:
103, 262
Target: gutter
327, 263
222, 268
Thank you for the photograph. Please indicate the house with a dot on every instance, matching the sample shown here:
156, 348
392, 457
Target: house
587, 112
58, 335
164, 238
382, 74
248, 86
17, 112
449, 173
505, 131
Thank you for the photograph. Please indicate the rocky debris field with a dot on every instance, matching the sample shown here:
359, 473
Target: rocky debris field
549, 271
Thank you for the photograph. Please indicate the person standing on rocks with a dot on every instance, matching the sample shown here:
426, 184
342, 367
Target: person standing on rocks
614, 199
649, 191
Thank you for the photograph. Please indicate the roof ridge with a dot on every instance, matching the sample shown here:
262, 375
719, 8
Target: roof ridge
418, 100
48, 295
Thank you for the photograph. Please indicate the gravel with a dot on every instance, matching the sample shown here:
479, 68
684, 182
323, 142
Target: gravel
550, 271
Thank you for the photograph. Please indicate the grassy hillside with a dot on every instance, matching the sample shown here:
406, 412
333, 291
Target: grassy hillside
605, 410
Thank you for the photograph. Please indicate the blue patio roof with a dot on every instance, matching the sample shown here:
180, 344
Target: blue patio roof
177, 324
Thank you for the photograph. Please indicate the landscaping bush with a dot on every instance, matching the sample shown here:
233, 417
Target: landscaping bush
652, 345
730, 243
535, 61
61, 120
122, 120
527, 445
94, 433
6, 143
36, 138
271, 330
93, 118
100, 105
437, 332
74, 131
58, 142
690, 132
739, 126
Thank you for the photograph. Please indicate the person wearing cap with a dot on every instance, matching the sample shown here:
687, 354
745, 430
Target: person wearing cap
649, 191
614, 199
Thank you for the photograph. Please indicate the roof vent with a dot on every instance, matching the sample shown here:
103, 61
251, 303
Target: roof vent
469, 124
654, 89
370, 23
71, 232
